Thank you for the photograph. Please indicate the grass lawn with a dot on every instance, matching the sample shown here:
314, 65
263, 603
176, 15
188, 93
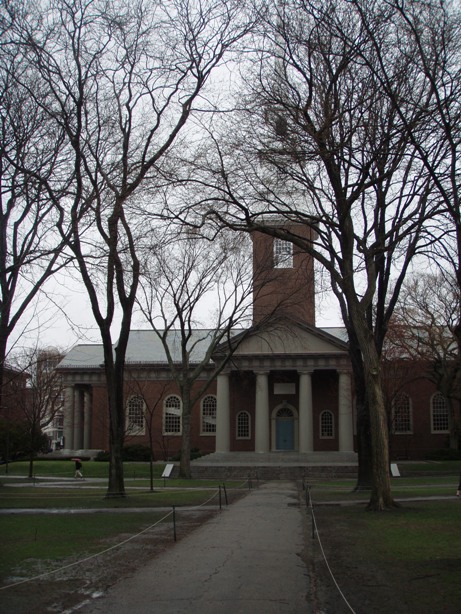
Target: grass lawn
43, 537
406, 560
32, 497
91, 469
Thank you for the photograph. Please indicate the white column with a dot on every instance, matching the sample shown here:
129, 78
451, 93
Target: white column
306, 417
222, 414
68, 426
78, 419
262, 413
345, 426
87, 419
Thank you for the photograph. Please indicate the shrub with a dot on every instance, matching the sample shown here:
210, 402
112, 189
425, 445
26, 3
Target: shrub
136, 452
102, 455
194, 453
444, 454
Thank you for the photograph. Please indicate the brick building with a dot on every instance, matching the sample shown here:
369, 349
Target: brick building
287, 388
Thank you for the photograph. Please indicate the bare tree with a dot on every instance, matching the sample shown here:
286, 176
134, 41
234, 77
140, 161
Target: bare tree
121, 80
147, 408
30, 246
324, 146
44, 396
424, 329
430, 37
194, 278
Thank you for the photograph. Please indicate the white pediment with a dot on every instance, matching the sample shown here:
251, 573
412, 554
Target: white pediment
291, 339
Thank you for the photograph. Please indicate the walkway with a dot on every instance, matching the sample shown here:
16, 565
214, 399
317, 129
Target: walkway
245, 560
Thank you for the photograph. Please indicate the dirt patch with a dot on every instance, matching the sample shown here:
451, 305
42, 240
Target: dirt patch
65, 590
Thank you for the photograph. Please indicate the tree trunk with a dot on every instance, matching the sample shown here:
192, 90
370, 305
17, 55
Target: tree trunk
31, 464
381, 497
364, 472
116, 486
453, 425
184, 466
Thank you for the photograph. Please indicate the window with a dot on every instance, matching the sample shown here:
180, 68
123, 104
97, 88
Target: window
58, 420
402, 418
327, 425
283, 254
439, 414
172, 416
135, 415
243, 425
209, 415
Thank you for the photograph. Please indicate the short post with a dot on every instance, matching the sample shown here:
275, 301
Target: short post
174, 523
308, 496
225, 494
220, 506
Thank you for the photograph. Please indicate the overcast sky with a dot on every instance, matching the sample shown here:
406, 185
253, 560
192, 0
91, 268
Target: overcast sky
65, 319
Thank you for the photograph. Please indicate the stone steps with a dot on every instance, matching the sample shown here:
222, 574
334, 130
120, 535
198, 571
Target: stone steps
275, 465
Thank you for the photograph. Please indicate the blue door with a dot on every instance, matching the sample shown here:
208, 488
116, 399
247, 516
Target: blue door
285, 434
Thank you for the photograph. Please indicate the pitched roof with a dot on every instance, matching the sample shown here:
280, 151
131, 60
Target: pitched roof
145, 347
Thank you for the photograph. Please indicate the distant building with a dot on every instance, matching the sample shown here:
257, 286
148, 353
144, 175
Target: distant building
14, 393
53, 413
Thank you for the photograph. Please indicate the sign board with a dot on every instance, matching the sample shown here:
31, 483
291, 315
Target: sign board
168, 470
395, 470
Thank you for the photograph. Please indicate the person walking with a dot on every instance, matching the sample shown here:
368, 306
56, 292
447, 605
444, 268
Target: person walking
78, 469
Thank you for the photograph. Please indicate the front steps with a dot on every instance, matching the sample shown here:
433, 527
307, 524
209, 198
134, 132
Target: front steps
275, 465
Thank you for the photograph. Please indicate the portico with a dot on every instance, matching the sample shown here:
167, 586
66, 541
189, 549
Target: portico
299, 398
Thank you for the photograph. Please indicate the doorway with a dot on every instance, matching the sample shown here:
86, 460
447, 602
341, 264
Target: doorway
285, 429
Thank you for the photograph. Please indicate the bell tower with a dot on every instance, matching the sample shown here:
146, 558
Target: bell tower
283, 275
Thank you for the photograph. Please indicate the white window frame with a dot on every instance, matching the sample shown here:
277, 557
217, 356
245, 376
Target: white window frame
283, 254
208, 415
134, 427
326, 412
397, 406
237, 425
436, 398
175, 411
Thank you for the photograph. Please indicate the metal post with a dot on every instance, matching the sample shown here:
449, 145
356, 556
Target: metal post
225, 494
174, 522
220, 506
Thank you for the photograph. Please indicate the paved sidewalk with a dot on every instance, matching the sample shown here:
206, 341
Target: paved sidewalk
246, 560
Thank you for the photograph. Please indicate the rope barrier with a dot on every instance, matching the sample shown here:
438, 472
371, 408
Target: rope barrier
88, 558
80, 561
310, 503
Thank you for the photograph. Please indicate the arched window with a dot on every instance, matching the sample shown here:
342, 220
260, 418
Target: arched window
327, 425
439, 414
243, 425
209, 415
283, 254
172, 415
135, 413
402, 416
284, 412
